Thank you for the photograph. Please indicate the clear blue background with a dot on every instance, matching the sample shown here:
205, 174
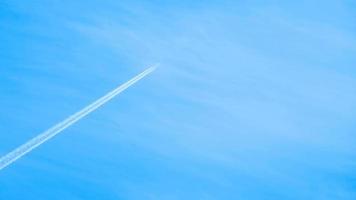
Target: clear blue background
253, 99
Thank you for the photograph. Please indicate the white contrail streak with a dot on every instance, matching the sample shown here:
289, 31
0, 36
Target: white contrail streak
43, 137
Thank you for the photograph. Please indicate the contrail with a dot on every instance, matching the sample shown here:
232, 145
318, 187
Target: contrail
53, 131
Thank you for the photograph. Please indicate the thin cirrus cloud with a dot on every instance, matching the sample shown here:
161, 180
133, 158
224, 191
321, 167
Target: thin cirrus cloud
273, 102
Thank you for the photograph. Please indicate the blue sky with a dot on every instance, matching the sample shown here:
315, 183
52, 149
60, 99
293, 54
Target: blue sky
253, 99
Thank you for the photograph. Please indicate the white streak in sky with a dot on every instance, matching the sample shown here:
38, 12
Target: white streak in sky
43, 137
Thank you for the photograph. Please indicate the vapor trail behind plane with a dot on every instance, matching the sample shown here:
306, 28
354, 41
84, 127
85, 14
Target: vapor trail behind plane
43, 137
